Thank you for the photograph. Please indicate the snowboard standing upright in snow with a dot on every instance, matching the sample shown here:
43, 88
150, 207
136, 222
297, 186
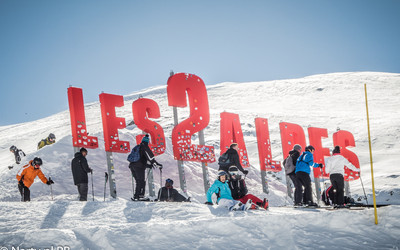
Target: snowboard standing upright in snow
27, 177
147, 160
80, 170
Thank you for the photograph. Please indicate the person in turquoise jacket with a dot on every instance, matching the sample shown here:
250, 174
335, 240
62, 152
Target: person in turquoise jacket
303, 164
224, 196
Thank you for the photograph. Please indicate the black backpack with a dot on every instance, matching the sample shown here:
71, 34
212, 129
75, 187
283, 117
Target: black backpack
224, 161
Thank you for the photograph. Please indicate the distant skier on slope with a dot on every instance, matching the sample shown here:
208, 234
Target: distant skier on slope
18, 154
169, 193
290, 170
239, 190
304, 162
47, 141
147, 160
80, 170
224, 195
27, 177
335, 165
233, 159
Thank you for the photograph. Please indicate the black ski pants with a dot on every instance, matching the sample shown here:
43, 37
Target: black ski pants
83, 191
298, 188
305, 181
25, 192
138, 172
337, 181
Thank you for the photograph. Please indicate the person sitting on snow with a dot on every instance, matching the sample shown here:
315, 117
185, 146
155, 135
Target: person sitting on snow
224, 196
169, 193
48, 141
27, 177
238, 188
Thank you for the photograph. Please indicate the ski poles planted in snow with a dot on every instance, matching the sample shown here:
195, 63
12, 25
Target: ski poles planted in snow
92, 185
105, 184
161, 178
51, 188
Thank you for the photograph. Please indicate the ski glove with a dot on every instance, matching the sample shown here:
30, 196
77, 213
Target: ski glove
320, 165
245, 172
49, 182
160, 166
209, 203
21, 183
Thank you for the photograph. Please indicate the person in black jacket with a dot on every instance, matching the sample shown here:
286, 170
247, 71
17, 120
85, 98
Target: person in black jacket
239, 190
233, 157
80, 170
294, 155
147, 160
169, 193
18, 154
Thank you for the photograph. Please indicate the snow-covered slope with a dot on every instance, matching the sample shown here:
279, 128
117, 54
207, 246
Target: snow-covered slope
327, 101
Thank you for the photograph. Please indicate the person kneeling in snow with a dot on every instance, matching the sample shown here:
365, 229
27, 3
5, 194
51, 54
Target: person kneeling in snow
27, 177
169, 193
224, 196
238, 189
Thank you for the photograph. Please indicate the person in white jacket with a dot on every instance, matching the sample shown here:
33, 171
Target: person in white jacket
334, 165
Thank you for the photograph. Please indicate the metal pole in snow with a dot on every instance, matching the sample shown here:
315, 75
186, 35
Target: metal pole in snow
370, 157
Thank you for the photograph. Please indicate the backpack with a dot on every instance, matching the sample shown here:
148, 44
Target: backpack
224, 161
289, 166
134, 156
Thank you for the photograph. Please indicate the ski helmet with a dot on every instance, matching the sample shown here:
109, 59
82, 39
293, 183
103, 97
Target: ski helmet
37, 161
233, 170
13, 148
52, 136
310, 148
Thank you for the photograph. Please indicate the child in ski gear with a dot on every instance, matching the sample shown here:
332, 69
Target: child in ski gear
27, 177
335, 165
18, 154
239, 191
80, 170
224, 196
169, 193
303, 164
47, 141
147, 160
233, 157
290, 170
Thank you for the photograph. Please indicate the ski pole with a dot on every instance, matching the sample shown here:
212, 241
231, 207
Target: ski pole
160, 178
105, 184
133, 186
366, 199
92, 185
51, 189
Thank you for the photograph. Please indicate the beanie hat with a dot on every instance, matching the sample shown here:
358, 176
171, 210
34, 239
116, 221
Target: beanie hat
297, 147
146, 138
83, 150
233, 170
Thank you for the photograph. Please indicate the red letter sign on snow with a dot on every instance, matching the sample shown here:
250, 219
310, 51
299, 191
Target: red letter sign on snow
315, 135
199, 117
111, 123
291, 134
345, 139
231, 131
78, 122
264, 147
142, 110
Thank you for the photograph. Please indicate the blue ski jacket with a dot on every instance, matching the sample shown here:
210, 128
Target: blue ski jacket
221, 188
305, 161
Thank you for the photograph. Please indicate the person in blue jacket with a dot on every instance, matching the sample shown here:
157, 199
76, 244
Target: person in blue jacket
224, 196
303, 164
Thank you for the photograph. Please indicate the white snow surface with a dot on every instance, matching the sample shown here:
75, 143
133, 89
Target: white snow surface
327, 101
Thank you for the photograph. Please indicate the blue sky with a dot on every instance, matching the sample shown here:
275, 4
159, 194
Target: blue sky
122, 46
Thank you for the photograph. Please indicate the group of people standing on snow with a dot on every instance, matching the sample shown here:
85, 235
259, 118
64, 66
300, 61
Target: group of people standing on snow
297, 167
229, 187
27, 174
